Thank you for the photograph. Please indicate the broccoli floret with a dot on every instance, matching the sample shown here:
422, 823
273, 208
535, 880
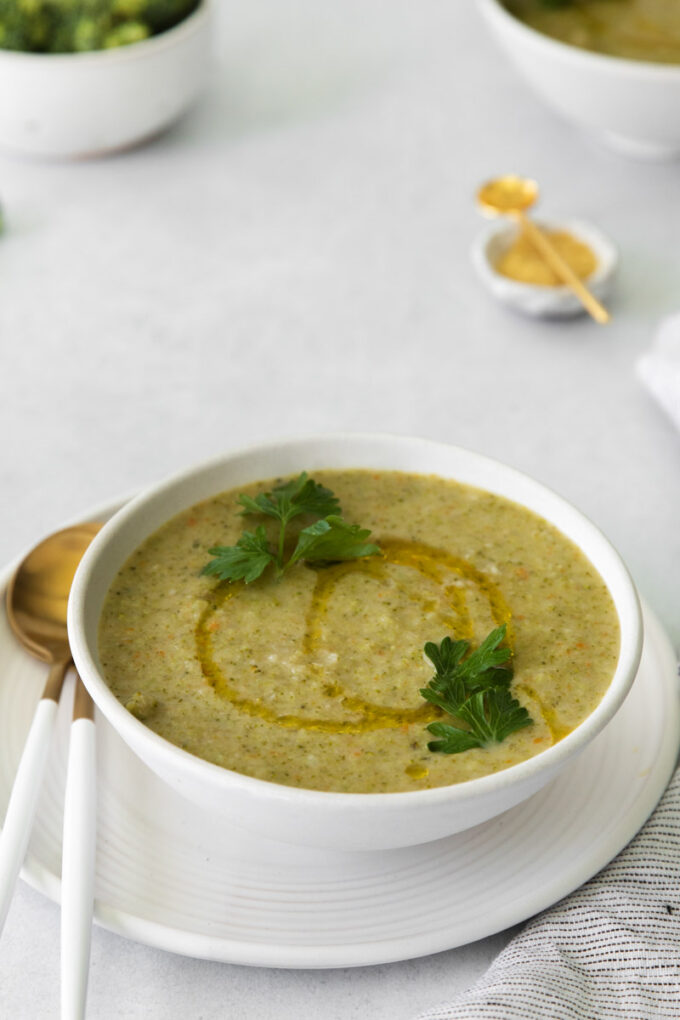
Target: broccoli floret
126, 33
66, 26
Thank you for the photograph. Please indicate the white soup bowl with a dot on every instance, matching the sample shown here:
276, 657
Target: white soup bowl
632, 105
343, 821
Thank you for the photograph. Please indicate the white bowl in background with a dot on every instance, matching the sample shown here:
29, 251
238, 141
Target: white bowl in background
65, 105
633, 105
530, 299
342, 821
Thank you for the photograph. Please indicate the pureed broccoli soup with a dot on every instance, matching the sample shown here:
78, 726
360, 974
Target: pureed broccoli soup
464, 634
635, 29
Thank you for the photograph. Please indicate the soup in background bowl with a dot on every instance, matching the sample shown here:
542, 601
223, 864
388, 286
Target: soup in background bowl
646, 30
631, 102
295, 705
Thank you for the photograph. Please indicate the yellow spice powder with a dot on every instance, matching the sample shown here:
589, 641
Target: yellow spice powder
523, 262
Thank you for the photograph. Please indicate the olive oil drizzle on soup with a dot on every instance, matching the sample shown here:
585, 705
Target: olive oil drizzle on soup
314, 680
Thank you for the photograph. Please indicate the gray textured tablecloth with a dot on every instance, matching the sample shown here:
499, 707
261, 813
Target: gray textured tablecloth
609, 950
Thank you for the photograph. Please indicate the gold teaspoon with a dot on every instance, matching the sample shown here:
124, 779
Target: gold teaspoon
37, 599
512, 196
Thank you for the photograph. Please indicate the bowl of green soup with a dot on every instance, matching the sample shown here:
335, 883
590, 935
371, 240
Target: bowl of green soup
354, 641
81, 79
612, 67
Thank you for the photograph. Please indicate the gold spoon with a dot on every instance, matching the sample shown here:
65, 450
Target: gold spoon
512, 196
37, 599
36, 603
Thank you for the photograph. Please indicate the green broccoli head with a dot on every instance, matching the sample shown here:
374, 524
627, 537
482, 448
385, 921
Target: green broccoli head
71, 26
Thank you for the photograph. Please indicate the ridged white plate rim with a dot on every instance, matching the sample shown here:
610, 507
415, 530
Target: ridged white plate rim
522, 862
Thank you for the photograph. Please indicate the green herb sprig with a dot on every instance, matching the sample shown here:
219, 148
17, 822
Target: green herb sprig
328, 539
473, 688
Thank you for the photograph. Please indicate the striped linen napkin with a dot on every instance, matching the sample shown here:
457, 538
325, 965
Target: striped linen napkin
610, 950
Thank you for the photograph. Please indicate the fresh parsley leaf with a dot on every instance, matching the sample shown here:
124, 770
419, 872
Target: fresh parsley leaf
454, 740
445, 691
302, 495
245, 561
473, 687
328, 539
505, 715
262, 504
488, 665
333, 539
446, 656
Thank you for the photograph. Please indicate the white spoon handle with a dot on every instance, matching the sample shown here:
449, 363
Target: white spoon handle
16, 828
78, 864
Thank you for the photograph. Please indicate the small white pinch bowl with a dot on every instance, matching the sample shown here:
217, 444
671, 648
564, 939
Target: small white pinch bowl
632, 105
74, 105
341, 821
530, 299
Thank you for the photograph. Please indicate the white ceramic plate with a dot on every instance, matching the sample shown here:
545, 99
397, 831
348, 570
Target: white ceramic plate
175, 877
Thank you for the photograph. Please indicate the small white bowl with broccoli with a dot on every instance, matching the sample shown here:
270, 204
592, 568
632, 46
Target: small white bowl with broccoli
86, 77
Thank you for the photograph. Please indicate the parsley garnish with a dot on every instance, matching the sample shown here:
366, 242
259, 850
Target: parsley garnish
473, 688
326, 540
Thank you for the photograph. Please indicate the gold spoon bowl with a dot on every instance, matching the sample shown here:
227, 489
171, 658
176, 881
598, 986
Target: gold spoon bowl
507, 194
37, 598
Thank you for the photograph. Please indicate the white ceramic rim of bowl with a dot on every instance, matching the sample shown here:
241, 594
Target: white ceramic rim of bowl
627, 603
494, 9
121, 54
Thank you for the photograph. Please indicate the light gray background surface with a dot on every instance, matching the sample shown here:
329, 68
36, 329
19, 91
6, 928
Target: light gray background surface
294, 258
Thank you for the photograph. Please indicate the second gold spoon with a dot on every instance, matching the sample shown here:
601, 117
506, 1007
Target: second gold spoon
512, 196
